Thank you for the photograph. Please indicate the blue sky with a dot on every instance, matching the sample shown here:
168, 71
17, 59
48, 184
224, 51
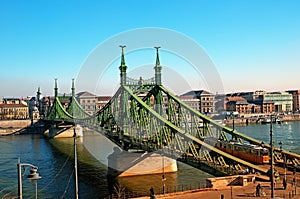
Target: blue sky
253, 44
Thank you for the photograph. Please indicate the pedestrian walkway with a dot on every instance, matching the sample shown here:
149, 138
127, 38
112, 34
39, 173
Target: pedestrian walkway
236, 192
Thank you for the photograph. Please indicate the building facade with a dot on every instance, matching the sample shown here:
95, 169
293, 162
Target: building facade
240, 105
102, 101
296, 99
88, 101
205, 100
268, 102
191, 101
13, 108
267, 107
283, 101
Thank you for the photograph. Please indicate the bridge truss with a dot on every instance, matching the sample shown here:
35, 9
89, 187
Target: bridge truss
146, 116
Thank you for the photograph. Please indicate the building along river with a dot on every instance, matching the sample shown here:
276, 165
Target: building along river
55, 162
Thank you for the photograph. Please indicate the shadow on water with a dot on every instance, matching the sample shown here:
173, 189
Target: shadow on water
91, 173
55, 159
185, 176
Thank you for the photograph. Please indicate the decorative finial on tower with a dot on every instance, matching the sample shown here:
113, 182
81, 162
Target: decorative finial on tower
38, 94
123, 67
157, 56
73, 88
122, 57
39, 91
55, 88
157, 68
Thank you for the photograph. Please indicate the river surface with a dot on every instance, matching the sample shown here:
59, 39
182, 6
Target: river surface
288, 133
55, 161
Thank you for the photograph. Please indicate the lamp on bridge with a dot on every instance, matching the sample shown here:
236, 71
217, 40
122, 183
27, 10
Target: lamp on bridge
284, 159
32, 177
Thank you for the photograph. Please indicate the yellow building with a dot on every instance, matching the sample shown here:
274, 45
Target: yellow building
13, 111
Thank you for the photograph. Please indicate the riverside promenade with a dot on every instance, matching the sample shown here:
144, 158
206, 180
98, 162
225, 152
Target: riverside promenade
235, 192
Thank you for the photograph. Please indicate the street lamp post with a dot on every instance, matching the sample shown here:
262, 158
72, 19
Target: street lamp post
75, 164
33, 177
232, 115
272, 158
295, 180
284, 160
163, 171
233, 121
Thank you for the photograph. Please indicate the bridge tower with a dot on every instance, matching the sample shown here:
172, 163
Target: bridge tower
123, 67
38, 94
123, 97
158, 96
157, 68
73, 88
38, 99
55, 88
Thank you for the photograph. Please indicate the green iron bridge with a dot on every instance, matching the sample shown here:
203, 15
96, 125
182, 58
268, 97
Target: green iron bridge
158, 120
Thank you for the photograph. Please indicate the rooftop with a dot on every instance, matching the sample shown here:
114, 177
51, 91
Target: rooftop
12, 105
197, 93
85, 94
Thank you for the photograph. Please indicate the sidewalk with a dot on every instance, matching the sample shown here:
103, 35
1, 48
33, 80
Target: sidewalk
237, 192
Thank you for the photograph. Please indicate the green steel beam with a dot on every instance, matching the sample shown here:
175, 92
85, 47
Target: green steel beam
190, 137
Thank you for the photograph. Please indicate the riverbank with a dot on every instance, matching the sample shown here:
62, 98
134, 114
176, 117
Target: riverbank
9, 127
248, 119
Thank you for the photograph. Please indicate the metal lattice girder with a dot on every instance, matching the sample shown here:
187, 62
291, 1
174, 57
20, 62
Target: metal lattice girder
186, 136
222, 161
146, 129
183, 116
295, 162
150, 125
58, 112
76, 110
212, 128
179, 144
193, 150
207, 156
238, 167
277, 156
223, 136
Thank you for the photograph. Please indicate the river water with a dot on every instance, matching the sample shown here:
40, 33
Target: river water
288, 133
55, 161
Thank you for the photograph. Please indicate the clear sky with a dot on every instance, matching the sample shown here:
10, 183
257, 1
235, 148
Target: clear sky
254, 44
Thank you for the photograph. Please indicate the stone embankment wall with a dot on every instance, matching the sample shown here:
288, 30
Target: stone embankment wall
8, 127
221, 182
295, 117
251, 120
14, 123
